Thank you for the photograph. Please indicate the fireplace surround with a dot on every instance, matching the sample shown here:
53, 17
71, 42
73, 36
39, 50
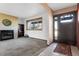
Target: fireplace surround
6, 34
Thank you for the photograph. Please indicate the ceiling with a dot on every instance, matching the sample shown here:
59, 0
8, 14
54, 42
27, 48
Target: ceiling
23, 10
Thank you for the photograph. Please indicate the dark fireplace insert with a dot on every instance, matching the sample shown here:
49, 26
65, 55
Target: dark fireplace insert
6, 34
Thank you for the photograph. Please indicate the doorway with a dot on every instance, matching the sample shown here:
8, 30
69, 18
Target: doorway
21, 30
64, 28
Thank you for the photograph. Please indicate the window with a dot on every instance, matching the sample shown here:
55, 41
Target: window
34, 24
72, 15
62, 17
56, 29
55, 18
66, 21
67, 18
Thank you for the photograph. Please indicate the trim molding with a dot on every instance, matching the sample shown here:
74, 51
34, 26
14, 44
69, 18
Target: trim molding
37, 38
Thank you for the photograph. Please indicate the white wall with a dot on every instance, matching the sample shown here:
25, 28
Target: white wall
21, 20
47, 32
37, 33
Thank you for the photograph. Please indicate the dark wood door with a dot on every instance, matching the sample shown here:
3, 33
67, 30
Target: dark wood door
66, 32
21, 30
77, 26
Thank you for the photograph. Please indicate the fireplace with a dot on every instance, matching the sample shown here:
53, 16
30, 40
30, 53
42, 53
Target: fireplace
6, 34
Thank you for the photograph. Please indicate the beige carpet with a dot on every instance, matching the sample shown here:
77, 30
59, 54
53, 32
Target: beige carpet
22, 47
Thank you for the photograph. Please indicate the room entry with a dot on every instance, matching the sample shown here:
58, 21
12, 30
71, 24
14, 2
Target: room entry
64, 28
21, 30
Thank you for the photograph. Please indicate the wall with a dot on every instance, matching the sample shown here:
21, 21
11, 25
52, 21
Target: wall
21, 20
37, 33
50, 20
64, 10
14, 25
49, 12
47, 32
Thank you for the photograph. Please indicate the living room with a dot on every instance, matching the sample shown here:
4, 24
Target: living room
27, 29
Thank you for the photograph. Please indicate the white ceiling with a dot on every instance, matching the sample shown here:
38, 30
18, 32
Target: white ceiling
56, 6
23, 10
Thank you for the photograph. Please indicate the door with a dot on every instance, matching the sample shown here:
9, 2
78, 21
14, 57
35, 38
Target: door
21, 30
77, 26
64, 28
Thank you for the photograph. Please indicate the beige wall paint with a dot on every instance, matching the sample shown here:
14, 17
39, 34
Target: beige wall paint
14, 25
50, 23
64, 10
50, 19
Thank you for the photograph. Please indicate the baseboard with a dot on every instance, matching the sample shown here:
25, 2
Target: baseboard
37, 38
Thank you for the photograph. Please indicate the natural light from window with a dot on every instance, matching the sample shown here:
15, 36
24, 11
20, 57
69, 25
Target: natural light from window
66, 21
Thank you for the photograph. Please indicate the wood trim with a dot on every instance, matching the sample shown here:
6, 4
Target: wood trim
37, 38
77, 26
